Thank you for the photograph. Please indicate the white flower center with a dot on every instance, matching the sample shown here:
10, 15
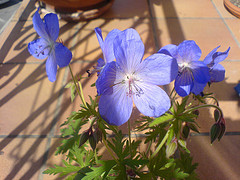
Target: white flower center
133, 88
183, 66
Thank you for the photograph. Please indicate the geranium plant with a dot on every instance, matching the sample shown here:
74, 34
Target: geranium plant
126, 80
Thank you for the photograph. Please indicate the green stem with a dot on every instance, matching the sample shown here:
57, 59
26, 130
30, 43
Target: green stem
148, 148
203, 106
172, 92
214, 99
80, 92
161, 144
108, 149
129, 136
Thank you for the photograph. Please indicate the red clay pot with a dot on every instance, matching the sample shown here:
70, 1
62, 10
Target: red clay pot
77, 10
232, 8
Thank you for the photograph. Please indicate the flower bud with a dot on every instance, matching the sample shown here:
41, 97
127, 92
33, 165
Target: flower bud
216, 115
84, 137
171, 148
215, 132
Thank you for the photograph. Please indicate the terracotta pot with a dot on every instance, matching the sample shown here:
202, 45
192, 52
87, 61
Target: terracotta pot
232, 8
76, 10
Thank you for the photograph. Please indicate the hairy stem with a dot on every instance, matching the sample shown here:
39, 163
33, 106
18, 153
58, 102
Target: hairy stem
78, 88
203, 106
108, 149
160, 145
129, 136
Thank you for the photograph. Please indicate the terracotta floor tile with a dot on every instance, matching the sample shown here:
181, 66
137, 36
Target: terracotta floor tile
223, 11
219, 161
28, 99
25, 11
87, 47
53, 159
21, 158
15, 39
234, 24
183, 8
127, 9
201, 31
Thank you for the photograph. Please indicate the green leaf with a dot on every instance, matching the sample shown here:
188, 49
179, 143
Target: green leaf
102, 170
62, 171
133, 163
180, 174
69, 85
193, 127
164, 118
181, 107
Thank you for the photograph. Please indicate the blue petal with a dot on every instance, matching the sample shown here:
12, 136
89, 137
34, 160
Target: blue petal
200, 72
51, 68
153, 101
116, 107
110, 75
39, 48
209, 58
188, 51
101, 62
184, 83
52, 26
220, 56
217, 73
108, 45
198, 88
63, 55
128, 53
158, 69
98, 32
39, 26
129, 34
170, 50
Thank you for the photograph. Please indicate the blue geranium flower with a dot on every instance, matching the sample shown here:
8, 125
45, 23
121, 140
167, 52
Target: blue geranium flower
216, 70
130, 79
46, 46
191, 71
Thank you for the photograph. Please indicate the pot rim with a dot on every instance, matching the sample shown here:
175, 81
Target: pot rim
232, 8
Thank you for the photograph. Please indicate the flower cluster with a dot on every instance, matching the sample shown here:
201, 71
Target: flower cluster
124, 77
129, 79
193, 74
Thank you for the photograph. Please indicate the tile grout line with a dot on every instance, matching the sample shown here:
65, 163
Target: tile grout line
223, 19
53, 126
230, 133
77, 62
